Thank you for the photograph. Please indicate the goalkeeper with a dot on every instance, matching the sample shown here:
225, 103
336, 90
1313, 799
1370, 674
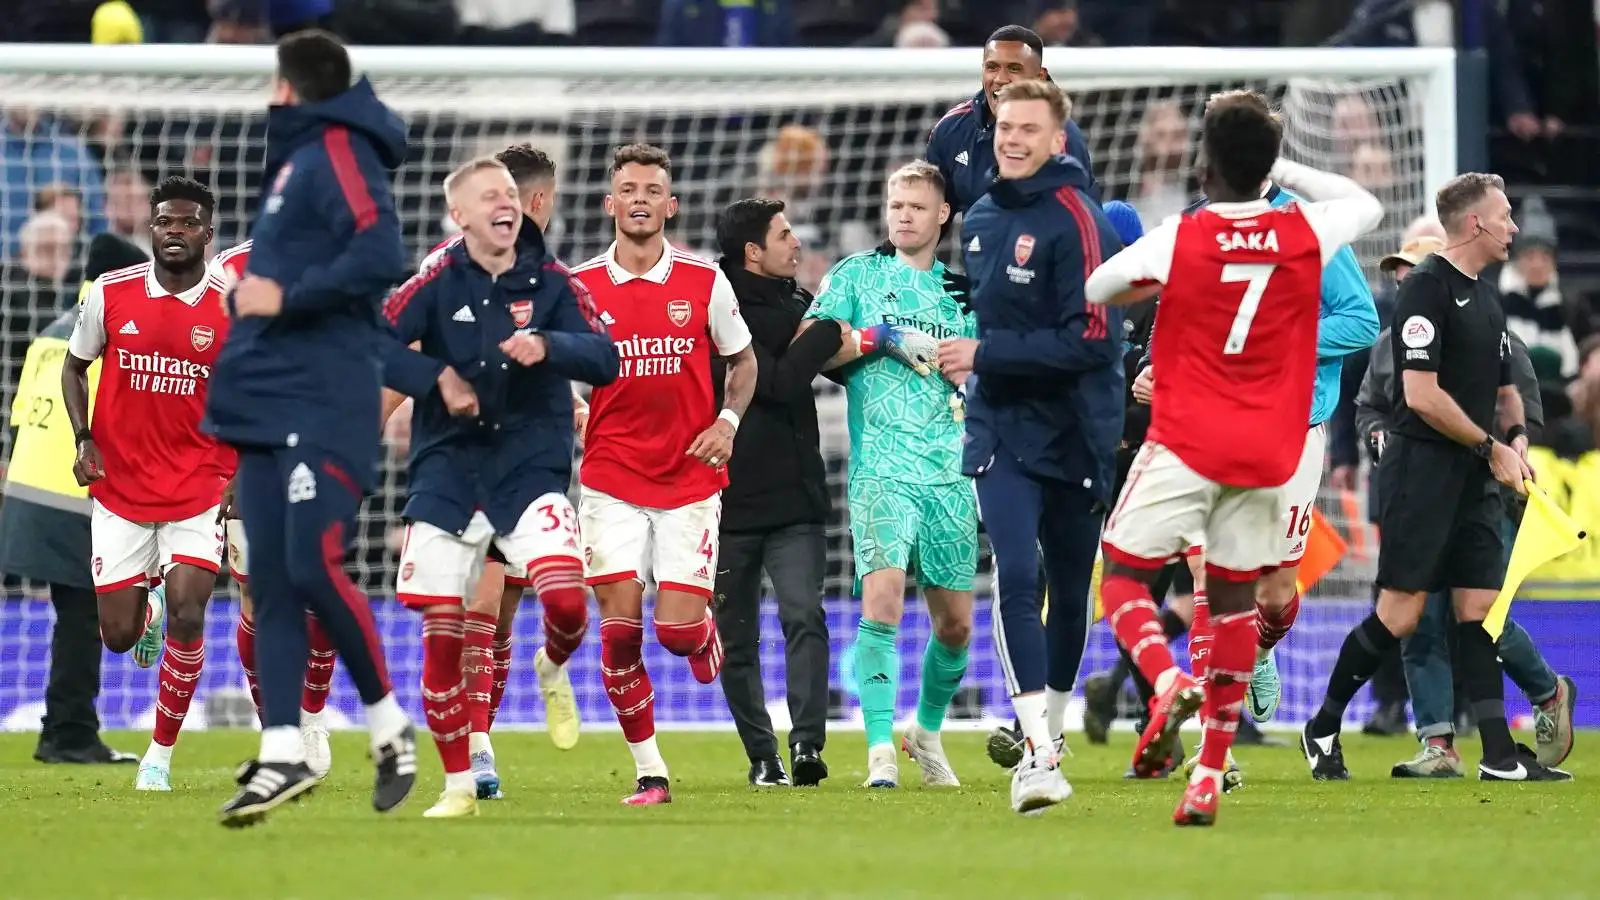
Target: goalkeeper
910, 506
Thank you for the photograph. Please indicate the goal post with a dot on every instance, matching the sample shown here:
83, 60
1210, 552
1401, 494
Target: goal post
819, 128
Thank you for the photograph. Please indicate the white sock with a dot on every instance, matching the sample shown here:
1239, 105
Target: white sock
460, 782
1031, 712
1201, 772
281, 744
385, 720
307, 717
1164, 680
478, 742
1055, 705
158, 755
647, 761
544, 667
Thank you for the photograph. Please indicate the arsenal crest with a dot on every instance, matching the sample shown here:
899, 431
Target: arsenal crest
202, 336
407, 570
1024, 249
679, 311
521, 312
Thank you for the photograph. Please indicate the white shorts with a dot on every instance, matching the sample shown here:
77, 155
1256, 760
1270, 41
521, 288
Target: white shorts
1300, 495
675, 547
438, 567
133, 553
238, 552
1164, 503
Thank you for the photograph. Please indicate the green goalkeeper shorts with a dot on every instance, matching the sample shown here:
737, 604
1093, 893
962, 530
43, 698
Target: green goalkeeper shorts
931, 529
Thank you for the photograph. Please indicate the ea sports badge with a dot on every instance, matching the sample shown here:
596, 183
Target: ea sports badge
1024, 249
202, 336
521, 312
678, 311
1416, 332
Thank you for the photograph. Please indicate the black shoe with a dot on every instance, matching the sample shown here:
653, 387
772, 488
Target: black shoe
1388, 721
93, 754
1522, 766
1325, 756
1005, 745
1248, 734
768, 773
1099, 706
263, 787
805, 761
397, 771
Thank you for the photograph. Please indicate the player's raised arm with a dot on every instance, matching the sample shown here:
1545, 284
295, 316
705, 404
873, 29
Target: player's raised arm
577, 345
1136, 273
1339, 209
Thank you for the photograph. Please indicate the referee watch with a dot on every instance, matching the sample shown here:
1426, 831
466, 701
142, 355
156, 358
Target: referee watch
1485, 449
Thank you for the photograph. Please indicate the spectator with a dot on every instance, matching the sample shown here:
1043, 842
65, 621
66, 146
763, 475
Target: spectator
1578, 431
128, 207
516, 22
63, 199
1531, 290
1161, 182
1058, 26
45, 245
287, 16
173, 21
726, 23
115, 22
30, 295
238, 22
37, 151
916, 24
792, 167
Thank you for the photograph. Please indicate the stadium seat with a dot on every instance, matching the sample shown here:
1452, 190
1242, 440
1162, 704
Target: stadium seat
617, 23
838, 23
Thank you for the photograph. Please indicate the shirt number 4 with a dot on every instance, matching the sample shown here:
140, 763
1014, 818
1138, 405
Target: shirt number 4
1255, 276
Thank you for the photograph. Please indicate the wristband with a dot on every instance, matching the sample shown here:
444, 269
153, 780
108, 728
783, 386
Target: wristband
81, 435
731, 417
1515, 432
867, 339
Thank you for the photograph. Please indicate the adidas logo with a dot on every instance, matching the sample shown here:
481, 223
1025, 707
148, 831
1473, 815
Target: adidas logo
974, 247
961, 158
128, 328
703, 573
302, 484
879, 678
463, 314
606, 318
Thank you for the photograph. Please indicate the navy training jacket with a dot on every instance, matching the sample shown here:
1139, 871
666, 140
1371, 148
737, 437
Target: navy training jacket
519, 447
1049, 366
328, 234
962, 146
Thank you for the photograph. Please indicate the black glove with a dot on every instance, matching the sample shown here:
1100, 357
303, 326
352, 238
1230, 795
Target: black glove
958, 287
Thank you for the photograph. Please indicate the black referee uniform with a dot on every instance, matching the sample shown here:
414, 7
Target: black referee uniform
1439, 525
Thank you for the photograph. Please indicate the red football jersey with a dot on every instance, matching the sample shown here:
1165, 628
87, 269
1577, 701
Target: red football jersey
156, 351
1235, 345
228, 266
666, 324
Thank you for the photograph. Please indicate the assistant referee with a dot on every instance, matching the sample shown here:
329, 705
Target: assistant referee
1457, 429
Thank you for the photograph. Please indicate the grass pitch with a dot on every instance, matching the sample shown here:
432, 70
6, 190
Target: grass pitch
82, 832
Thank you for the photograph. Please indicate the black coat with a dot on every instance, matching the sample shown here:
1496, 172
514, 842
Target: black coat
776, 477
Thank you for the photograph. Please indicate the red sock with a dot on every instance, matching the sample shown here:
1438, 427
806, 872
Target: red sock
1228, 667
244, 637
443, 689
1136, 623
698, 641
502, 673
1200, 635
1273, 626
558, 580
477, 667
319, 667
627, 683
180, 674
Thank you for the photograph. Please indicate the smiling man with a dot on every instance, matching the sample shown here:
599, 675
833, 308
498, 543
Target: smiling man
962, 143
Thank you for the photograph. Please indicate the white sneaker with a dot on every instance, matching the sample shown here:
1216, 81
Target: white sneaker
152, 777
314, 743
1037, 785
882, 770
453, 805
927, 751
560, 704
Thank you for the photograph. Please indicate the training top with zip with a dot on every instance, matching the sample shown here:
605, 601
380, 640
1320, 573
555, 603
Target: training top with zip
328, 234
962, 146
519, 446
1049, 365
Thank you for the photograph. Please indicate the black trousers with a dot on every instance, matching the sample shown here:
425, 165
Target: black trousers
793, 558
69, 718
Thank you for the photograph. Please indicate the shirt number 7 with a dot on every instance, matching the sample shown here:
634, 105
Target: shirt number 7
1256, 276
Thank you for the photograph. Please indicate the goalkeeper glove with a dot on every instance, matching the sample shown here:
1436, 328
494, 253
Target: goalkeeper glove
914, 347
958, 287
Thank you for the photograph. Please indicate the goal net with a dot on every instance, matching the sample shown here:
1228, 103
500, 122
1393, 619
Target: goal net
92, 128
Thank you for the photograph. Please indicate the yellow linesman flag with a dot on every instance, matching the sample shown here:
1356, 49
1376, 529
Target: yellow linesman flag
1546, 533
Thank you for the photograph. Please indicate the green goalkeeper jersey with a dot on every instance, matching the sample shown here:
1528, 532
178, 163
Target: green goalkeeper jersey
902, 425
